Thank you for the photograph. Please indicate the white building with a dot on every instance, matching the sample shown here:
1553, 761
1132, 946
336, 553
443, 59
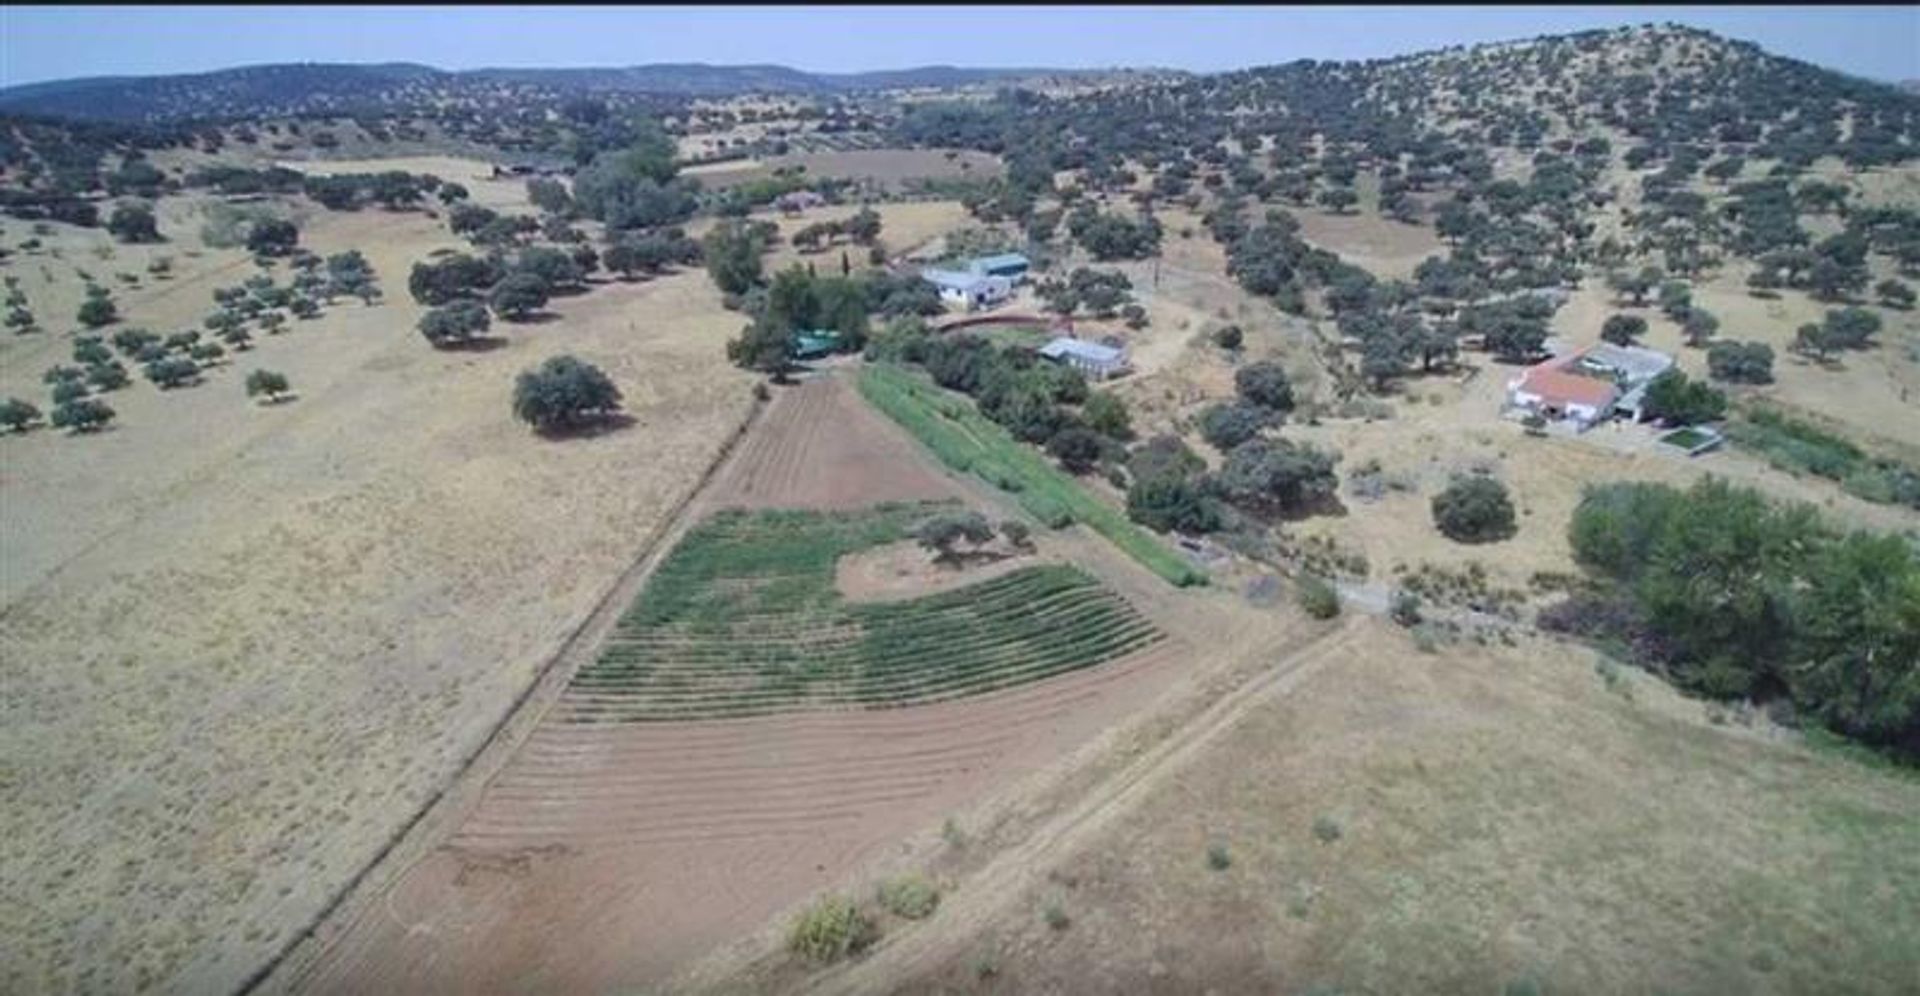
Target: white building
967, 289
1588, 385
1091, 358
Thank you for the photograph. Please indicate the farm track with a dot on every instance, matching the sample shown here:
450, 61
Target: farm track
598, 856
986, 894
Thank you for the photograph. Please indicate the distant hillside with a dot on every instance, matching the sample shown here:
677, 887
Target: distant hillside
292, 89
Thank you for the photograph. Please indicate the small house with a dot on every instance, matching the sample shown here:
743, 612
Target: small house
1588, 385
796, 201
1097, 361
1010, 265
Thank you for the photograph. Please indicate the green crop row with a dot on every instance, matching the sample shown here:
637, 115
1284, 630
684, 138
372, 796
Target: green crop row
969, 442
742, 618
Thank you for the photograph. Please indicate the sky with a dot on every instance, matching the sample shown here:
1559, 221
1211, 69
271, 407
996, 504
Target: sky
45, 43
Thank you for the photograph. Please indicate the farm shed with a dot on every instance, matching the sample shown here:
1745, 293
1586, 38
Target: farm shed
968, 289
815, 343
1096, 361
797, 201
1011, 265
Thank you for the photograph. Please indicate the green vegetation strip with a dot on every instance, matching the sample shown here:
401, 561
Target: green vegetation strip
1801, 448
967, 441
743, 619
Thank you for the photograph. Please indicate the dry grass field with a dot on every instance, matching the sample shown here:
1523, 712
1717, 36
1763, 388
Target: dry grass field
1465, 821
244, 643
887, 166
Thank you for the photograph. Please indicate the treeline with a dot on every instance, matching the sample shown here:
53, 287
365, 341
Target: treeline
1736, 597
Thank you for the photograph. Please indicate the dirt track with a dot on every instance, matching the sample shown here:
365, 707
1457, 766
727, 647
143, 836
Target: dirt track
602, 858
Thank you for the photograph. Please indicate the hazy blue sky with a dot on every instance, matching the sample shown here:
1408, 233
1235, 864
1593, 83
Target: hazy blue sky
41, 43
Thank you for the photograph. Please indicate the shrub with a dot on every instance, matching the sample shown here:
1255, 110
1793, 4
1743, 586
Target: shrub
1474, 509
831, 929
1326, 829
1218, 857
564, 393
1107, 415
1017, 533
1318, 598
1078, 450
910, 896
267, 382
1055, 915
1226, 425
1264, 384
1229, 337
97, 311
1404, 608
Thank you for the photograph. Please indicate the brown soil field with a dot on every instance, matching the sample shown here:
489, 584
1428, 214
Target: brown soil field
243, 643
1462, 821
605, 857
821, 446
474, 174
889, 166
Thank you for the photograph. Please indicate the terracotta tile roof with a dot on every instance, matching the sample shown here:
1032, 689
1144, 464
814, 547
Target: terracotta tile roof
1553, 383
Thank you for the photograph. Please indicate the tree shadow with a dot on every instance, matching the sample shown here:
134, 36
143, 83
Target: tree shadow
534, 318
477, 344
601, 426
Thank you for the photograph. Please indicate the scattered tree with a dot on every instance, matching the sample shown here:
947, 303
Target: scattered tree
17, 415
941, 533
1741, 362
82, 415
563, 394
1622, 330
456, 323
133, 223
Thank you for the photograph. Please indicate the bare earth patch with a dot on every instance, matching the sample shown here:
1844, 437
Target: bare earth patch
899, 571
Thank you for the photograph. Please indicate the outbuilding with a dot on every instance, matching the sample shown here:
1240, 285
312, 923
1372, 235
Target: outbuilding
968, 289
1091, 358
1011, 265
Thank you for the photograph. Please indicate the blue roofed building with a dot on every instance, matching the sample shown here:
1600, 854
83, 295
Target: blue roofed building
1011, 265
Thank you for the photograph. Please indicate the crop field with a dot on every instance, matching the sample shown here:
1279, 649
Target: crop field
967, 441
743, 619
606, 855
